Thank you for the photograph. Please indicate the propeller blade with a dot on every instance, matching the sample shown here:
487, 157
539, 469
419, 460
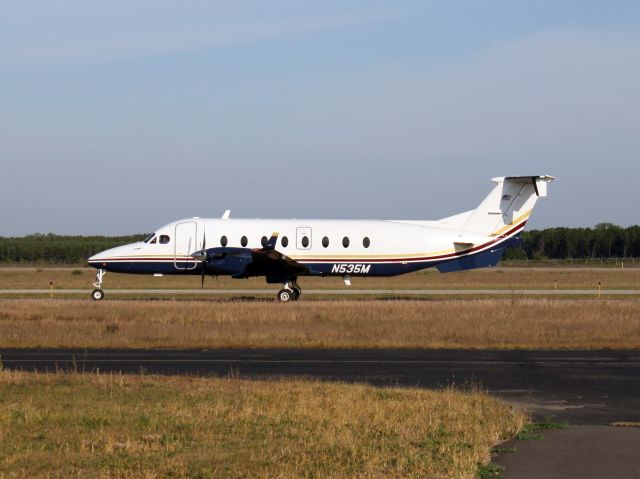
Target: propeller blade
203, 263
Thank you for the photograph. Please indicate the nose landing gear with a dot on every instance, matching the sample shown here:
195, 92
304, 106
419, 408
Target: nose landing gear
97, 294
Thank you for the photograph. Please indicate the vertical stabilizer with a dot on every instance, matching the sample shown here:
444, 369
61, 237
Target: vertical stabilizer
509, 204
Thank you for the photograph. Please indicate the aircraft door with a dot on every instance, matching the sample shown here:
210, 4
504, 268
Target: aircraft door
186, 239
303, 237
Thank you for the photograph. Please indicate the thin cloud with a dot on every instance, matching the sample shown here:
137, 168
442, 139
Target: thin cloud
34, 40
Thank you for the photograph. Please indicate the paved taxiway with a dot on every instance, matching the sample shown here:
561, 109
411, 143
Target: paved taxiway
582, 387
589, 389
579, 452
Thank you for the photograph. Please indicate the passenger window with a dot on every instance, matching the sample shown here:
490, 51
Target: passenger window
345, 242
164, 239
223, 241
366, 242
243, 241
284, 241
263, 241
325, 241
305, 241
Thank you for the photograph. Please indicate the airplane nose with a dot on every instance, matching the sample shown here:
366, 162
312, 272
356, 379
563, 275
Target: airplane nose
100, 259
94, 261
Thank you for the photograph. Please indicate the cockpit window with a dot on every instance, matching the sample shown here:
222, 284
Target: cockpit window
153, 241
149, 237
164, 239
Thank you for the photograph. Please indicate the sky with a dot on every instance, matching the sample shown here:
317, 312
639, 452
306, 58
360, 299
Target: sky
119, 116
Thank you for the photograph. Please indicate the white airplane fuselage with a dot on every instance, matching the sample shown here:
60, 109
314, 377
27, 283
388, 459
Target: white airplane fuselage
283, 249
394, 247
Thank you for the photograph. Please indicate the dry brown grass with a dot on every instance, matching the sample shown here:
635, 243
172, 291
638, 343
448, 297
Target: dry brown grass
31, 278
74, 425
507, 324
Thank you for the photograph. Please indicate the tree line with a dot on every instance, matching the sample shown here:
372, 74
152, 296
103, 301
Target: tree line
605, 240
56, 249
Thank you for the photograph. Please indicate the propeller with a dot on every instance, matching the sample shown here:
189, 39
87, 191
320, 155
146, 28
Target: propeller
203, 263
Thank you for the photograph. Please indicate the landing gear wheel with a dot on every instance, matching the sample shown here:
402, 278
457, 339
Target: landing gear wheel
97, 294
296, 293
285, 295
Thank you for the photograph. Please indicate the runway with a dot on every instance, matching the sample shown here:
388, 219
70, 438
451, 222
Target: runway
581, 387
333, 292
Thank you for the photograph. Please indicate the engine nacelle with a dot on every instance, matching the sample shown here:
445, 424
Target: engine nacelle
232, 261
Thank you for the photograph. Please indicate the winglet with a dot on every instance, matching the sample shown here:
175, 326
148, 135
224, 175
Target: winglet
226, 214
271, 244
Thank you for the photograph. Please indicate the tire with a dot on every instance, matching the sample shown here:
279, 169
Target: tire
285, 295
97, 294
296, 293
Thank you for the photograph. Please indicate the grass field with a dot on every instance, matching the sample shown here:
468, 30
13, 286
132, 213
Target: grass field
76, 425
81, 278
503, 324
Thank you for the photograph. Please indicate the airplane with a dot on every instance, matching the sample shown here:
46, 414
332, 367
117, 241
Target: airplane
284, 250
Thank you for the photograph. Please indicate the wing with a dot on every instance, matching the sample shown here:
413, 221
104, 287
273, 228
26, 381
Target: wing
273, 264
245, 262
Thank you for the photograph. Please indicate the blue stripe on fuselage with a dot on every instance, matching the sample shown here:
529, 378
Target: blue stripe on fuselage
482, 259
146, 267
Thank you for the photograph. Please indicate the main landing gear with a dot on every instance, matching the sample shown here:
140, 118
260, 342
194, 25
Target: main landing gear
97, 294
290, 292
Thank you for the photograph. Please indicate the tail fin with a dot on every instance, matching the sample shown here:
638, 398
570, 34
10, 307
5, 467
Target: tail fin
509, 204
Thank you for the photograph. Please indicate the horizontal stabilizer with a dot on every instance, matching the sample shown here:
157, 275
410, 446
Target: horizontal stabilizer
539, 182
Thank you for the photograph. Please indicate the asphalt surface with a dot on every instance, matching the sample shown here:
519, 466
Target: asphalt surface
582, 387
588, 389
575, 452
338, 292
